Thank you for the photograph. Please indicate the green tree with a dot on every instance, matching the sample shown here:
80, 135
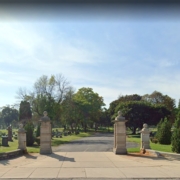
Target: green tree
157, 98
47, 94
164, 132
176, 135
138, 112
105, 119
121, 99
25, 112
71, 114
9, 114
90, 104
29, 127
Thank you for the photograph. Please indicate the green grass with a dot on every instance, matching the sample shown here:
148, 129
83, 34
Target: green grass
12, 146
157, 147
133, 150
161, 147
66, 139
35, 148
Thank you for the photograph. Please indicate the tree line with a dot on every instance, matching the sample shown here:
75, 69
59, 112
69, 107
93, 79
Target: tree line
85, 108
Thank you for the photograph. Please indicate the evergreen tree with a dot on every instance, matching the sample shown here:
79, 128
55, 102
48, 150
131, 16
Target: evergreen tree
38, 130
176, 135
164, 132
29, 127
25, 112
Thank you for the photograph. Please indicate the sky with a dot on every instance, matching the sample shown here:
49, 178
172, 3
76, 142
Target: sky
115, 51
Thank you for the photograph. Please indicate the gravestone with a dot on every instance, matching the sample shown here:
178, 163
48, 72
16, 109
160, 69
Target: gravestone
22, 138
9, 128
120, 135
45, 135
145, 139
5, 141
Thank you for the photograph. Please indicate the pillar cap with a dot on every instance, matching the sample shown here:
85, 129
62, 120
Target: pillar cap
120, 118
45, 118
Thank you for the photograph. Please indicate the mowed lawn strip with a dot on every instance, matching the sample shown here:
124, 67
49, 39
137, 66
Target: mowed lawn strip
157, 147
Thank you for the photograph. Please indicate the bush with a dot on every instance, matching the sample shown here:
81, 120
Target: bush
37, 140
164, 132
29, 127
77, 132
176, 136
154, 140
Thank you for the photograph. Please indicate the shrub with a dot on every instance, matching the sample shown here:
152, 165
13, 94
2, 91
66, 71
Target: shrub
37, 140
29, 127
164, 132
176, 136
154, 140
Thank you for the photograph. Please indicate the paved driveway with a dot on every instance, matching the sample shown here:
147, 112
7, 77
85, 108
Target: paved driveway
100, 142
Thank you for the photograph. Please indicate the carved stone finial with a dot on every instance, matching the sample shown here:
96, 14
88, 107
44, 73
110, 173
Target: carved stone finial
21, 129
120, 117
45, 113
45, 118
145, 125
145, 129
119, 113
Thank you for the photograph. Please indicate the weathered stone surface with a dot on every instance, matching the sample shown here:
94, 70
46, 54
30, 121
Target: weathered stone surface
45, 136
21, 138
145, 139
120, 135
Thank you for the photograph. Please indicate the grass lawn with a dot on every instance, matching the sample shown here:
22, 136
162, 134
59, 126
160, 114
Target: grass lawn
35, 148
157, 147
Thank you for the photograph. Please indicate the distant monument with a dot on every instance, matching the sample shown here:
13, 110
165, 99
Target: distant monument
45, 135
9, 128
120, 135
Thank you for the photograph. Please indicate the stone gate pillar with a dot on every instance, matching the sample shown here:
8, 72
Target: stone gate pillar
22, 138
120, 135
45, 135
145, 140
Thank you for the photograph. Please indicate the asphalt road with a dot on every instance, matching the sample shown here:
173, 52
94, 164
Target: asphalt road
100, 142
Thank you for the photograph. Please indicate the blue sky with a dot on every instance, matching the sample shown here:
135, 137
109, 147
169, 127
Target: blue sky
114, 56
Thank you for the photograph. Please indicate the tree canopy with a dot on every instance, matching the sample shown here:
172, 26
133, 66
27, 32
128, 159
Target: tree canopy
9, 114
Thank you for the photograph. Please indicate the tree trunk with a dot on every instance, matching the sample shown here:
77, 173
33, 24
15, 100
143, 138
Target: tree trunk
134, 130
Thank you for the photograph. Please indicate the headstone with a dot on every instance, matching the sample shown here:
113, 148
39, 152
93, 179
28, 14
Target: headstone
145, 139
9, 128
120, 135
5, 141
45, 135
21, 138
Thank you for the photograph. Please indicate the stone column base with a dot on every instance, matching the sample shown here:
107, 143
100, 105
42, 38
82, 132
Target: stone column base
120, 150
45, 151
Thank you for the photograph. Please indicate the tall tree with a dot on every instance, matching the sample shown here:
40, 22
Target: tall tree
176, 135
47, 94
158, 98
90, 104
126, 98
70, 111
9, 114
25, 112
137, 113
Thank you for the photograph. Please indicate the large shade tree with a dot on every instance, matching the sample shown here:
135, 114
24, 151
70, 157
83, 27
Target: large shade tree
90, 104
137, 113
9, 114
